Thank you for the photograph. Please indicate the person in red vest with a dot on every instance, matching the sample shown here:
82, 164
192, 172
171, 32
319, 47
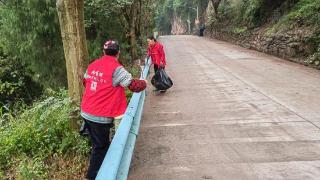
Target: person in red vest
104, 100
156, 52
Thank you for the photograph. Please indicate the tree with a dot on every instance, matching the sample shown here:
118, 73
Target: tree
126, 20
216, 4
71, 18
131, 13
15, 84
177, 13
29, 31
130, 16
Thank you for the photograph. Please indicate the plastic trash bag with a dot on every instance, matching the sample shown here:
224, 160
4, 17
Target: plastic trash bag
161, 81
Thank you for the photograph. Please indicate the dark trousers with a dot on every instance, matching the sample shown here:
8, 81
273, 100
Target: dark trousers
155, 67
99, 136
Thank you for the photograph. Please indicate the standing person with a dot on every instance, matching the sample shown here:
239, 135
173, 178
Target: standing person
104, 99
202, 29
156, 52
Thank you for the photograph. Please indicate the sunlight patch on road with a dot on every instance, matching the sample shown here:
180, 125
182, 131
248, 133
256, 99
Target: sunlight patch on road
236, 55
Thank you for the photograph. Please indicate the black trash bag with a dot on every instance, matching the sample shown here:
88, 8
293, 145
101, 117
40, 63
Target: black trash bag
161, 81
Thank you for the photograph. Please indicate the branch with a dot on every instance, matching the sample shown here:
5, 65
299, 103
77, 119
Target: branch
2, 2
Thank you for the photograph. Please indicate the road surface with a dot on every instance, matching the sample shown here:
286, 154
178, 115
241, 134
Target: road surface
232, 114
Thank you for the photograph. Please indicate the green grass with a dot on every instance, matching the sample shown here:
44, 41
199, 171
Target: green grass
240, 30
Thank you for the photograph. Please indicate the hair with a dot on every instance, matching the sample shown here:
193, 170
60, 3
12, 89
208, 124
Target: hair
152, 38
112, 50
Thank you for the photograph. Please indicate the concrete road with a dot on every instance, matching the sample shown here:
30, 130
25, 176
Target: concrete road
232, 114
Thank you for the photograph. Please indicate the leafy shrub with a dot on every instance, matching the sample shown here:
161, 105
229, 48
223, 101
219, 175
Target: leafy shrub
240, 30
303, 13
307, 11
38, 135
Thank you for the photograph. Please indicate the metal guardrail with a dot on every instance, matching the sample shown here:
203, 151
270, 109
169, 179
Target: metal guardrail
117, 161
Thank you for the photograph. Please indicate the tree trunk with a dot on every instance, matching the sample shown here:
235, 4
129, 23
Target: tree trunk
71, 18
216, 4
133, 38
139, 22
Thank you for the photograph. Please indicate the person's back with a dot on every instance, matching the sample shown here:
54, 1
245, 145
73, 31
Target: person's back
202, 29
101, 98
104, 100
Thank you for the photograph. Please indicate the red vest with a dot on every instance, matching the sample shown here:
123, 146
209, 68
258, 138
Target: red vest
100, 98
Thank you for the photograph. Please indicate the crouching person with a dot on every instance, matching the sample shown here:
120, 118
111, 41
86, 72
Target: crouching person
104, 99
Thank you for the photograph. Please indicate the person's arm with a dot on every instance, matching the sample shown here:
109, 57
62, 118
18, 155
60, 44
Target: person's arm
122, 77
162, 56
149, 51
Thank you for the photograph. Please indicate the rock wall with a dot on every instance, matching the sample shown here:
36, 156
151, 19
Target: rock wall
178, 26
